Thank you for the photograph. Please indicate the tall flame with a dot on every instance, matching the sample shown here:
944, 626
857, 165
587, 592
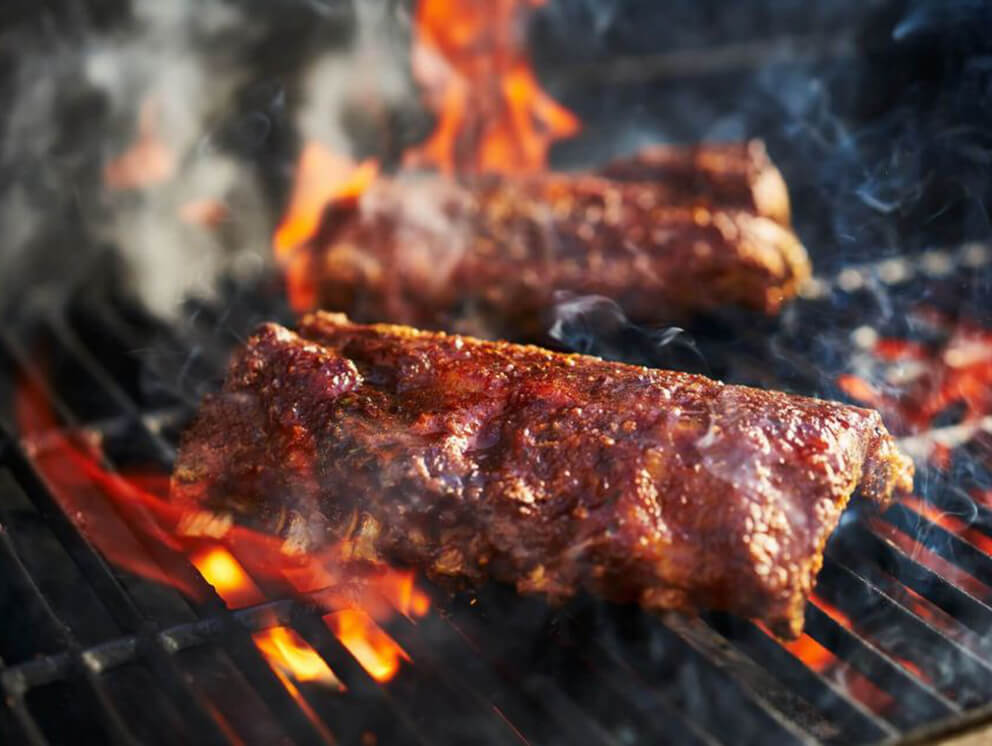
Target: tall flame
493, 115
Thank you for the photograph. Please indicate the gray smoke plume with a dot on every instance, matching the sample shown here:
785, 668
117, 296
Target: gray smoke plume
168, 79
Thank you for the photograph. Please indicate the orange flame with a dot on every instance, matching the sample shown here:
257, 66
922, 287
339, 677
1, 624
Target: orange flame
492, 113
289, 654
810, 652
322, 177
148, 161
219, 568
123, 516
492, 116
376, 651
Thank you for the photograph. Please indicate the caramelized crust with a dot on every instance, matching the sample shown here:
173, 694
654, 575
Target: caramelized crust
475, 460
734, 175
486, 257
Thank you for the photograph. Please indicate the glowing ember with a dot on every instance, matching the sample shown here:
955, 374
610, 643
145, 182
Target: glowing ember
810, 652
376, 651
470, 57
831, 611
322, 177
820, 659
289, 654
148, 161
924, 381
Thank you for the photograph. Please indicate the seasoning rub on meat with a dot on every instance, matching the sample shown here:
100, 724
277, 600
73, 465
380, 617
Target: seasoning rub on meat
480, 460
666, 233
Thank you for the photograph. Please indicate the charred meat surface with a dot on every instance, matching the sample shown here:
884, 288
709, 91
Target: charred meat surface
475, 460
486, 257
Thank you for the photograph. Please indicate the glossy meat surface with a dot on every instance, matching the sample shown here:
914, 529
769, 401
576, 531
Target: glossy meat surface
477, 460
732, 175
486, 257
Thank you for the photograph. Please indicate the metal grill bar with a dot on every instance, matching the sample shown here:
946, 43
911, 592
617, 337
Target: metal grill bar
650, 704
942, 542
734, 664
958, 603
307, 620
519, 689
853, 720
13, 684
918, 702
130, 618
363, 691
876, 614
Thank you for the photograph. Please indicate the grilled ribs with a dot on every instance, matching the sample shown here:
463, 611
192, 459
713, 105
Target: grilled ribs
487, 258
480, 460
736, 175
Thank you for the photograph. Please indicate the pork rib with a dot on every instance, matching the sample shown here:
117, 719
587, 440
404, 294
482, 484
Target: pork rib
737, 175
487, 257
480, 460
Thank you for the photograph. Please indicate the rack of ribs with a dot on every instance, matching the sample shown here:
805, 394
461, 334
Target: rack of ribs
670, 232
477, 460
735, 175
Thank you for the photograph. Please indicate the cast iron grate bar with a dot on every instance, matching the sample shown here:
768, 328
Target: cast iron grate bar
955, 671
651, 705
958, 603
73, 661
475, 680
346, 666
853, 721
942, 542
917, 701
517, 686
471, 637
20, 726
377, 702
249, 658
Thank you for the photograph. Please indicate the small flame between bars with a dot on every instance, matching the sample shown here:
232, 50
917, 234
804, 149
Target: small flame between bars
122, 514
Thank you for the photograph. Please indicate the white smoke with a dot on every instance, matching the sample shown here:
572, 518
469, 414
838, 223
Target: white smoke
166, 64
371, 75
171, 70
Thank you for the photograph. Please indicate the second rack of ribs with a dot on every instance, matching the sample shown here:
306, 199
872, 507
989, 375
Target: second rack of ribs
667, 233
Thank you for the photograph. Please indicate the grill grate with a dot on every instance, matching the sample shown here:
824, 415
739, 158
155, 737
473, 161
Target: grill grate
97, 653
